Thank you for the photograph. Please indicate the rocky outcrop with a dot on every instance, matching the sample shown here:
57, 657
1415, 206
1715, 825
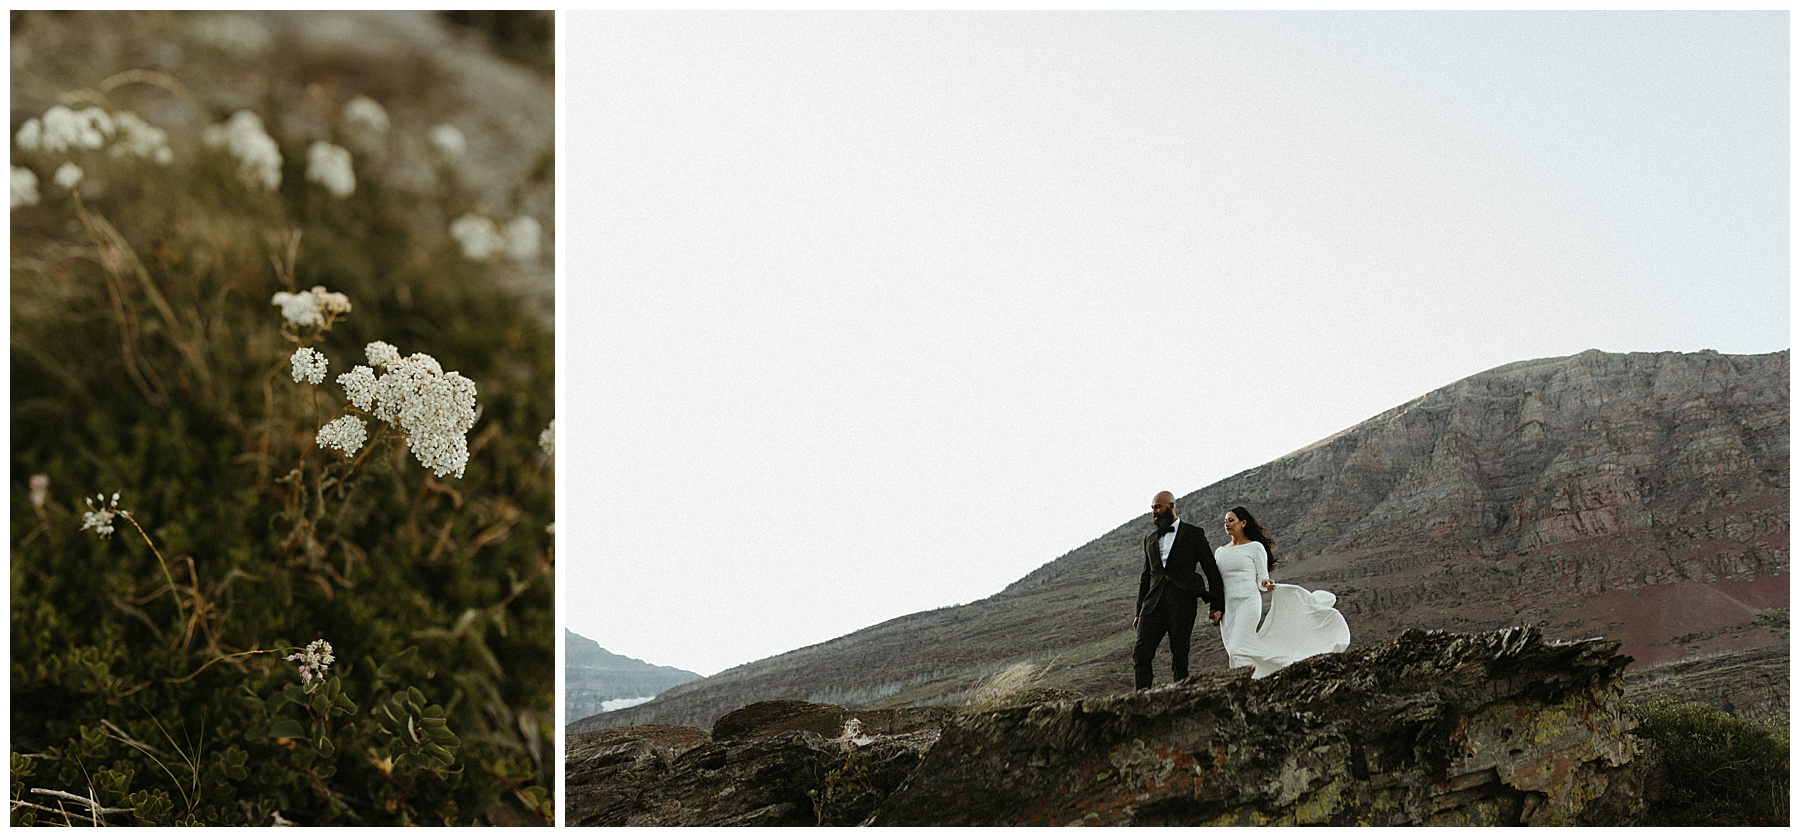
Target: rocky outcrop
773, 717
1432, 728
777, 763
1641, 497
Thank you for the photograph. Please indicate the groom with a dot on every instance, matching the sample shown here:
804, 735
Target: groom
1169, 588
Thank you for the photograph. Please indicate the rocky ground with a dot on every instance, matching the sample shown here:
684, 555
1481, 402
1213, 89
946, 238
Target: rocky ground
1431, 728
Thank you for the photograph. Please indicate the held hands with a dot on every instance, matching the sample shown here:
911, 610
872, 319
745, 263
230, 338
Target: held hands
1268, 584
1217, 615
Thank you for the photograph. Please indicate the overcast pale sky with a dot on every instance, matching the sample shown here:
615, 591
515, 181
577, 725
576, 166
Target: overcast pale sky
863, 314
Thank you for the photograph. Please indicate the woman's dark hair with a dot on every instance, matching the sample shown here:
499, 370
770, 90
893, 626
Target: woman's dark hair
1254, 531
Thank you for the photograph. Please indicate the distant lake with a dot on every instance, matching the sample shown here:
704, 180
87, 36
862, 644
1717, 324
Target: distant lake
621, 703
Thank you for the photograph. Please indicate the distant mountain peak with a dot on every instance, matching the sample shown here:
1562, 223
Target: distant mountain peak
593, 675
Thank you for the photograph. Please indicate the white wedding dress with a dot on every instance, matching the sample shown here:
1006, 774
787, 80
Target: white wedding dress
1301, 622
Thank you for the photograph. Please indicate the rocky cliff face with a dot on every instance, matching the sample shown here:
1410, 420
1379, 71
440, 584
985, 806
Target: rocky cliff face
1499, 728
1639, 497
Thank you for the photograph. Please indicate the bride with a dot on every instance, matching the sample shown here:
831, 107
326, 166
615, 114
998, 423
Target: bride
1301, 623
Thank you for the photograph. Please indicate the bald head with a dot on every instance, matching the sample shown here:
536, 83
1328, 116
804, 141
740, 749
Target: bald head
1162, 508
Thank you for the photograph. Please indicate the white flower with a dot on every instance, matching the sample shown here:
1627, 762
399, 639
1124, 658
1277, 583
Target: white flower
331, 302
443, 453
313, 660
547, 439
381, 353
365, 113
522, 238
24, 187
259, 158
478, 237
301, 309
346, 433
447, 140
100, 518
433, 408
329, 166
68, 175
309, 365
317, 306
61, 129
31, 135
40, 489
138, 138
359, 386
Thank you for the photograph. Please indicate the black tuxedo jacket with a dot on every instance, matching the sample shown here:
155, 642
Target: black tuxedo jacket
1192, 573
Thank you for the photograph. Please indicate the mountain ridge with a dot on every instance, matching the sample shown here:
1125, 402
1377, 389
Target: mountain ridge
593, 675
1520, 495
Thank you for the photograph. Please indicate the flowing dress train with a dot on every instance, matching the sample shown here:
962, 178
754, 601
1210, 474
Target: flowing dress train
1301, 623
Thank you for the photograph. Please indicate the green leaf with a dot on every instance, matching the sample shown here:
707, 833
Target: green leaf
286, 728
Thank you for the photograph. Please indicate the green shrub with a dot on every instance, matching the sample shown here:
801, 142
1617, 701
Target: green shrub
1721, 770
156, 673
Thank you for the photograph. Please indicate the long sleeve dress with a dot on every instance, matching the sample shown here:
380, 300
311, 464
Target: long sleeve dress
1301, 622
1244, 567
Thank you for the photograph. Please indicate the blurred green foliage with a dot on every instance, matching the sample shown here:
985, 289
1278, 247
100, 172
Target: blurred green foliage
148, 360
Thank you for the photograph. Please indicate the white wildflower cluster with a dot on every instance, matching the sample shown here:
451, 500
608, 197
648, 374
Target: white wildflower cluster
236, 34
364, 112
314, 660
381, 353
365, 122
523, 237
481, 238
315, 307
329, 166
40, 490
477, 235
547, 439
346, 433
68, 176
433, 408
309, 365
258, 157
24, 187
61, 129
448, 140
99, 517
138, 138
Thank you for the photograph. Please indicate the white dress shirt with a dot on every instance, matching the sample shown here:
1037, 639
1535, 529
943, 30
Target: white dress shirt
1167, 542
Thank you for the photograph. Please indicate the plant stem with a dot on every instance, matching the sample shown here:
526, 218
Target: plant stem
179, 611
217, 659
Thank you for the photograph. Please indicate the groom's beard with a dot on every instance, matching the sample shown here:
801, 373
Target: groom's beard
1164, 519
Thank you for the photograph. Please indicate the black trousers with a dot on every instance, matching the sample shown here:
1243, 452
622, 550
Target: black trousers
1175, 622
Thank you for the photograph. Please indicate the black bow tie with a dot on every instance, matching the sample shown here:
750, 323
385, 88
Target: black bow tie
1164, 530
